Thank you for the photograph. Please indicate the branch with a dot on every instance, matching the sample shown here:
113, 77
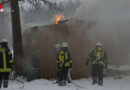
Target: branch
37, 4
5, 1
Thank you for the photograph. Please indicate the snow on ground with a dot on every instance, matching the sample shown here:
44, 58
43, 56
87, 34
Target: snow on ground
120, 68
86, 84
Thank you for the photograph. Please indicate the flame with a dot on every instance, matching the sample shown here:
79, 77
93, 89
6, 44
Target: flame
58, 18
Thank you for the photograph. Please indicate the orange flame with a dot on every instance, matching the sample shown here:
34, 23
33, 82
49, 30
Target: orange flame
58, 18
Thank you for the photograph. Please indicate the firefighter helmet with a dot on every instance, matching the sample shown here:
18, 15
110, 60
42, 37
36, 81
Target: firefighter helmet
4, 41
99, 44
58, 45
64, 44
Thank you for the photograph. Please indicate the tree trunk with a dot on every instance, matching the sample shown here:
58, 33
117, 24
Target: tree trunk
17, 37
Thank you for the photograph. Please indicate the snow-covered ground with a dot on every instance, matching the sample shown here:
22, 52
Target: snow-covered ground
86, 84
120, 68
110, 83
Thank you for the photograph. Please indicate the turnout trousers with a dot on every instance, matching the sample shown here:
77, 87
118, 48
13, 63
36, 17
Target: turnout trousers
4, 76
63, 73
63, 76
97, 73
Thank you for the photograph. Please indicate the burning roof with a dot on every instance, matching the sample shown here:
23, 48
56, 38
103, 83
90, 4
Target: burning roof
58, 18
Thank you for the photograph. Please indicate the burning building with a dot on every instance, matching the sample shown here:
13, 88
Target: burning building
39, 47
39, 42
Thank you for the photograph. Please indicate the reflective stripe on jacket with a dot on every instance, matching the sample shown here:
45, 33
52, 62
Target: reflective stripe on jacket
5, 60
93, 57
64, 59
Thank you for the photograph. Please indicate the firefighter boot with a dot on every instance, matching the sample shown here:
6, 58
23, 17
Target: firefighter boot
5, 85
57, 81
0, 84
100, 84
62, 83
69, 81
94, 82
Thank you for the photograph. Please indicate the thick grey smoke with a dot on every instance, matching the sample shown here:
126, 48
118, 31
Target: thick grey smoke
111, 20
33, 17
5, 28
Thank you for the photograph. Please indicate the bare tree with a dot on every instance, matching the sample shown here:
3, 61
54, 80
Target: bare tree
17, 37
16, 28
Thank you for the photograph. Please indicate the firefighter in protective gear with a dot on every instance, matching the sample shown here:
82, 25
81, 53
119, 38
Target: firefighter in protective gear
6, 62
98, 58
58, 48
64, 63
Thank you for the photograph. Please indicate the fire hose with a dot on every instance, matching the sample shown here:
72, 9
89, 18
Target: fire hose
78, 86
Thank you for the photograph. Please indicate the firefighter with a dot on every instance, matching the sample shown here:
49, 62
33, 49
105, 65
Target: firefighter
64, 62
6, 63
58, 48
98, 58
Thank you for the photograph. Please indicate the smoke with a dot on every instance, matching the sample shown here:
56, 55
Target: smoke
32, 17
5, 28
111, 20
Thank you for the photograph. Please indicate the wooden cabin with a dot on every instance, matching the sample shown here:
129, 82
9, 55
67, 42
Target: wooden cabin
39, 47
